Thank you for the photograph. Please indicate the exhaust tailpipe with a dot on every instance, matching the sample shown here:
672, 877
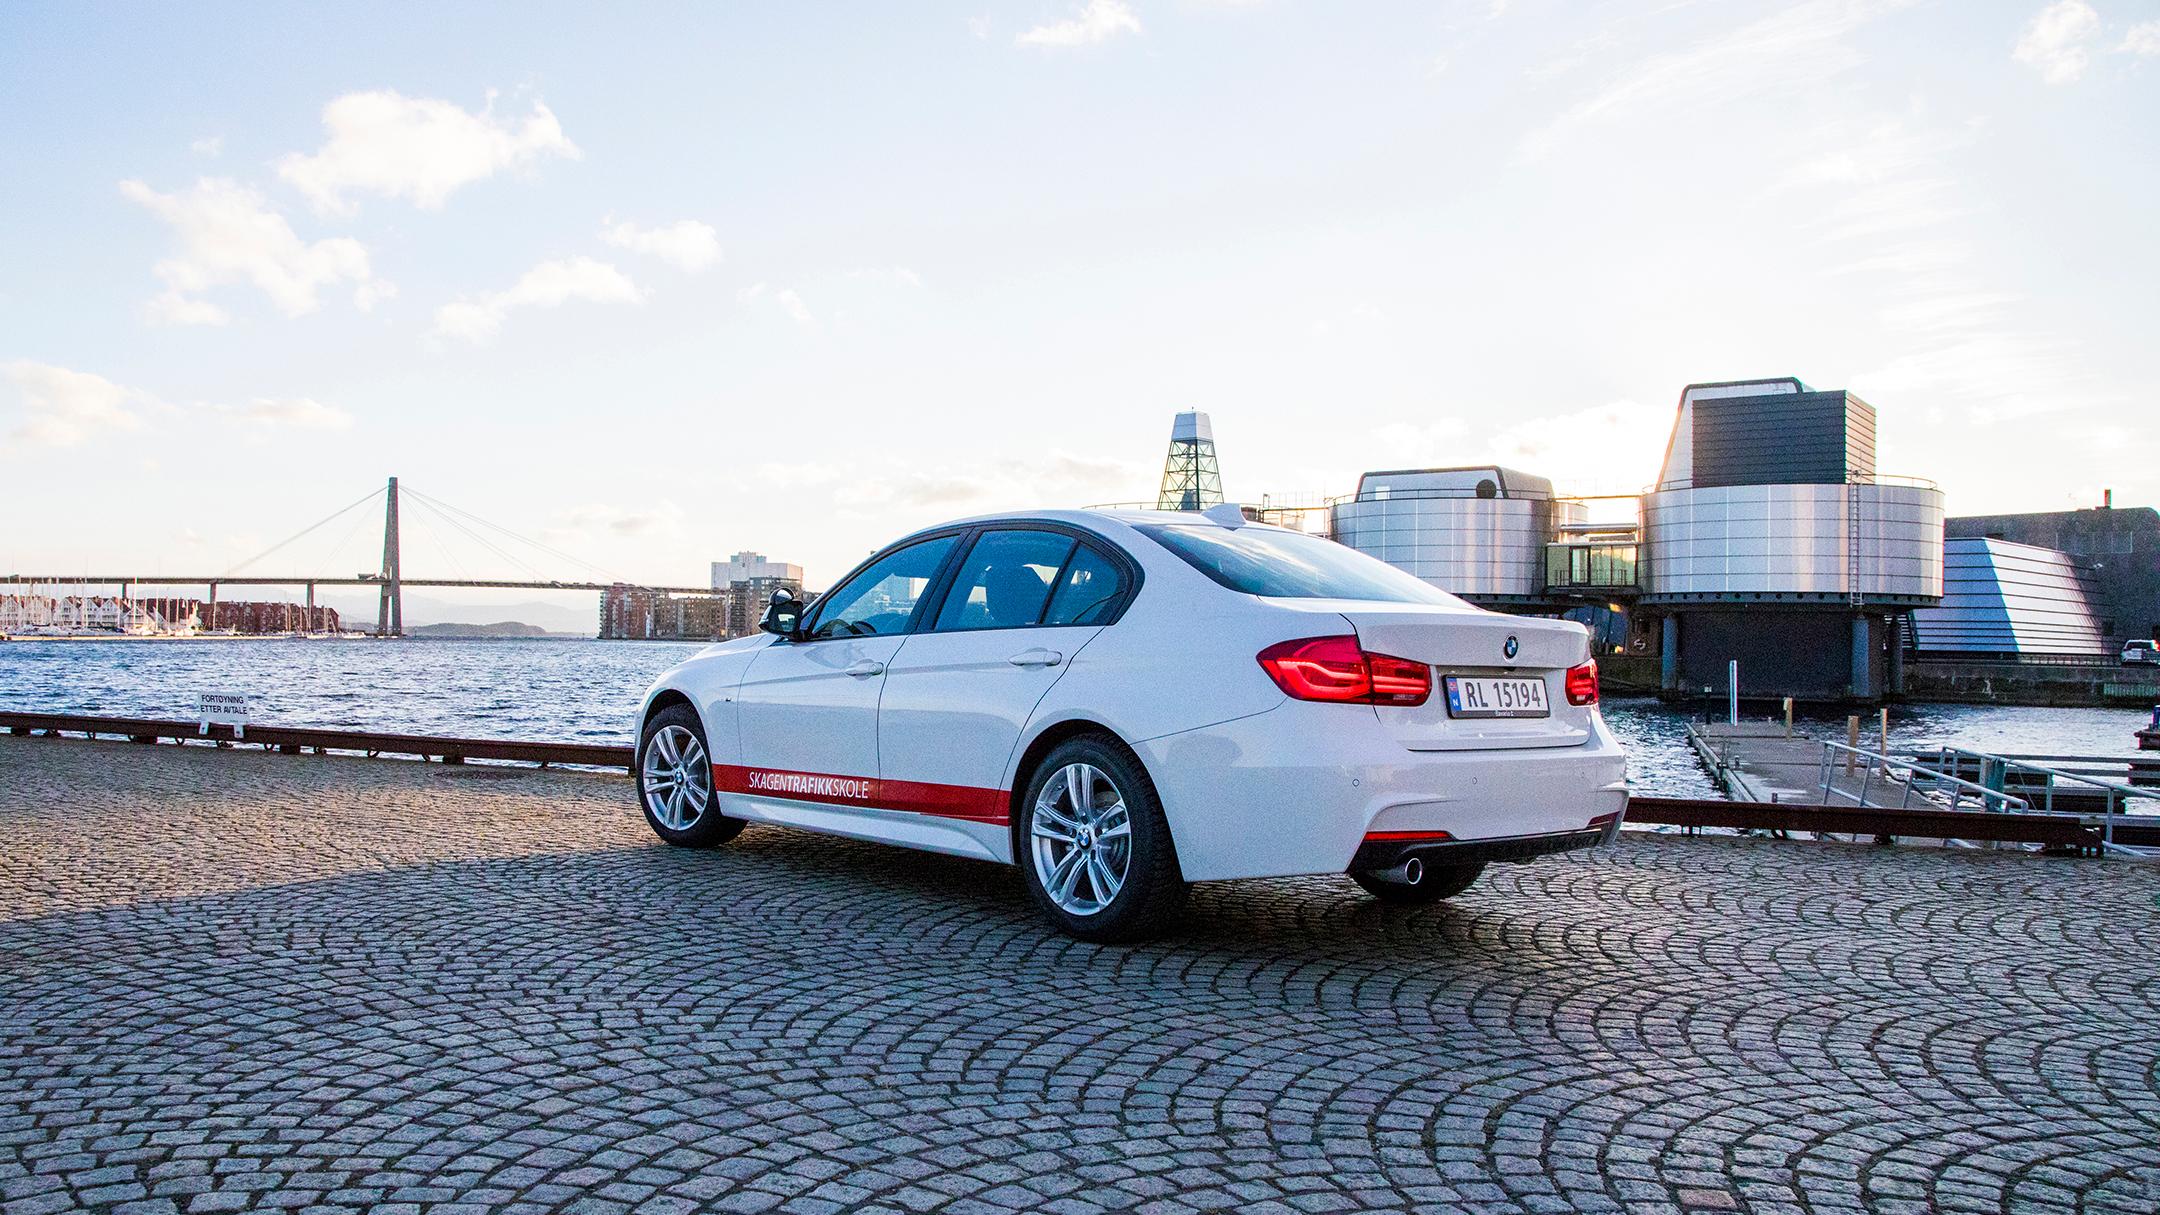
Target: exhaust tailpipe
1409, 873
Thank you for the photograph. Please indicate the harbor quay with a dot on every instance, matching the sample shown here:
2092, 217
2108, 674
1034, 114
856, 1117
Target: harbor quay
239, 980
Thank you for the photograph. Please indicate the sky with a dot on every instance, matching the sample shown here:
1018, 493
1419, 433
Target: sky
652, 284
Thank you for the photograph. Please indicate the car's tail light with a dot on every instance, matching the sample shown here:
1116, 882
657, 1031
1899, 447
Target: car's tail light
1336, 669
1582, 684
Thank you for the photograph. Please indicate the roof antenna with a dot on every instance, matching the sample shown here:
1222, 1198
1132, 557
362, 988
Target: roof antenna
1226, 514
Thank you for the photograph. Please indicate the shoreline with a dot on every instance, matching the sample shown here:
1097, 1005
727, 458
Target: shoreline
11, 637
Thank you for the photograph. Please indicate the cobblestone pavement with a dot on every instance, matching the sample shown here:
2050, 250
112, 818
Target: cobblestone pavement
231, 980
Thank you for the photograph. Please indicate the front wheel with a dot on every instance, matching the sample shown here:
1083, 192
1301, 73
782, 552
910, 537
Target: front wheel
675, 782
1436, 882
1095, 847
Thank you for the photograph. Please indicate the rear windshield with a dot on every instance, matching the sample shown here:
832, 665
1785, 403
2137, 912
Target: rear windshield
1270, 561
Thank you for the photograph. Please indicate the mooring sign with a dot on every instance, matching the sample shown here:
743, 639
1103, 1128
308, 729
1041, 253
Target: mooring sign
221, 709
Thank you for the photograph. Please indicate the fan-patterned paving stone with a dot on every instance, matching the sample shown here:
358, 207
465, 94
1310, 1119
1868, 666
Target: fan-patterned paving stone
231, 980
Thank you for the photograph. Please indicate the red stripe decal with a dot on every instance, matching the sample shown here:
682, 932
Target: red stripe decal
1397, 837
916, 797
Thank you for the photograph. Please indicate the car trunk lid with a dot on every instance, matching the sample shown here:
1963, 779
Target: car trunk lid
1470, 643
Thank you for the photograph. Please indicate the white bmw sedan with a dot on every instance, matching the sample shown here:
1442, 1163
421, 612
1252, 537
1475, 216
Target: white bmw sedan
1124, 702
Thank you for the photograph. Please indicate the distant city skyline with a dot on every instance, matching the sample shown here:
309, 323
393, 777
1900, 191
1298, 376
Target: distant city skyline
683, 282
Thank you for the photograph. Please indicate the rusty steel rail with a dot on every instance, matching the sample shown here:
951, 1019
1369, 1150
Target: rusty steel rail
2058, 830
295, 739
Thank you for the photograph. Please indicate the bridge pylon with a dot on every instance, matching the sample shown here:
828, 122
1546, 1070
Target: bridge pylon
390, 611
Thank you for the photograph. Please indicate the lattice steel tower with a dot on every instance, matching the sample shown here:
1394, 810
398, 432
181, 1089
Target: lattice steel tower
1191, 480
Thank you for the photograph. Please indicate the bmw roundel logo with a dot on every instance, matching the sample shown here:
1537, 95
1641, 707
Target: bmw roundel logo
1512, 648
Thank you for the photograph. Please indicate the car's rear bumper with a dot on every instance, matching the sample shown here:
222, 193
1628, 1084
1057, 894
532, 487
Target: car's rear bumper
1386, 854
1300, 789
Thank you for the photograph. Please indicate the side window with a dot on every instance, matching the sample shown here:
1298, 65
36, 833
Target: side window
882, 598
1089, 589
1004, 581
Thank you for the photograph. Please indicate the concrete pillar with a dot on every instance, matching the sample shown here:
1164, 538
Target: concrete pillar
1669, 654
1897, 659
1863, 653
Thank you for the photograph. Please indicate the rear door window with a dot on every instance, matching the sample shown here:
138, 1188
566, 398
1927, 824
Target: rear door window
1088, 592
1005, 580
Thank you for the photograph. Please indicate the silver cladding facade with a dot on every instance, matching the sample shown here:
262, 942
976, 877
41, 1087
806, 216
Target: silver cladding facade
2011, 599
1793, 543
1480, 548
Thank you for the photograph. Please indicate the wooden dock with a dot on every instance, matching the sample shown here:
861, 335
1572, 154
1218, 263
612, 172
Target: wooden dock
1759, 761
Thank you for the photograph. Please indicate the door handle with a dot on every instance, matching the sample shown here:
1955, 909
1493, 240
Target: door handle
866, 668
1037, 657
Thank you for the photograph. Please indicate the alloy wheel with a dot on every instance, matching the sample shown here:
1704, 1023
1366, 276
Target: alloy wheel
677, 779
1081, 837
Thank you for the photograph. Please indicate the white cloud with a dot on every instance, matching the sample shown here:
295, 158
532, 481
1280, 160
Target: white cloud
64, 407
173, 308
228, 234
900, 275
1438, 442
798, 474
1796, 47
369, 294
1361, 316
2055, 42
603, 519
1097, 21
686, 244
417, 148
1895, 216
2142, 40
301, 412
547, 285
1056, 479
208, 145
1581, 451
785, 299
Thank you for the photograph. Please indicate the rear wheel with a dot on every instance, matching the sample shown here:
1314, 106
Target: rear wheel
1094, 846
1436, 882
675, 782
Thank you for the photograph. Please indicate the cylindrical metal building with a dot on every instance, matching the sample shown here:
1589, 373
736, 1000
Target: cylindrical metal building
1479, 532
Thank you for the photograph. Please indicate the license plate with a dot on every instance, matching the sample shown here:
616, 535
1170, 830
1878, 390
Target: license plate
1468, 697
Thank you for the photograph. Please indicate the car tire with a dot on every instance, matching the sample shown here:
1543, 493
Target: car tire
1436, 883
1066, 841
675, 782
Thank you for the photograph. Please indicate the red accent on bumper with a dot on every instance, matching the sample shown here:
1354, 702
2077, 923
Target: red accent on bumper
915, 797
1405, 837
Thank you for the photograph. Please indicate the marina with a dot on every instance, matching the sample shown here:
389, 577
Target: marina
1769, 763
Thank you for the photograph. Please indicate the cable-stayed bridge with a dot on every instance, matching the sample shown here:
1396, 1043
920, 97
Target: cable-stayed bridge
390, 579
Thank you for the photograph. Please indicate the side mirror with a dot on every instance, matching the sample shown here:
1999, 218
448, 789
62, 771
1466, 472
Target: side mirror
783, 617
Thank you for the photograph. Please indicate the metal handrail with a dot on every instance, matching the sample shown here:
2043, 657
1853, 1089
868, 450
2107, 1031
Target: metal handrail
1852, 477
1991, 800
2117, 792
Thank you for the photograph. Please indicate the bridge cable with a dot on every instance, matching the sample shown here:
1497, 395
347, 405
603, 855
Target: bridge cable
449, 511
442, 547
359, 521
496, 527
235, 570
475, 537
